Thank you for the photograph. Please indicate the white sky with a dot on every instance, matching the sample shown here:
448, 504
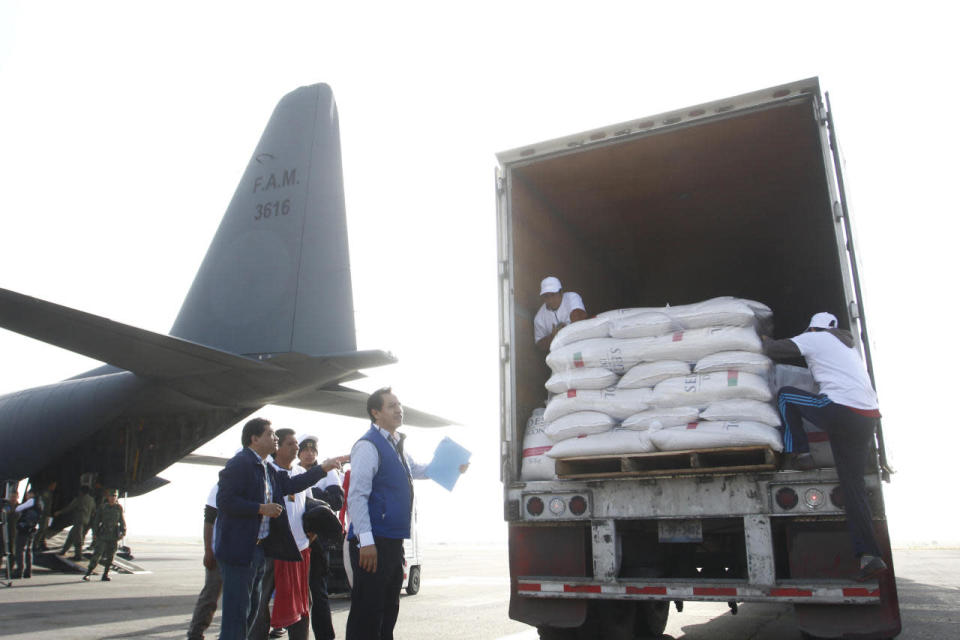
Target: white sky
124, 128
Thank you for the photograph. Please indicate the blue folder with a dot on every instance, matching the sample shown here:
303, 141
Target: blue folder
444, 469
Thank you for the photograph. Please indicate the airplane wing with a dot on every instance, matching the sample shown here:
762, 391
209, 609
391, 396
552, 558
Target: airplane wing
145, 353
210, 461
343, 401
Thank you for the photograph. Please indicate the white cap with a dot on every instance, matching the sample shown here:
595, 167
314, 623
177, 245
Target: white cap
823, 320
306, 437
550, 285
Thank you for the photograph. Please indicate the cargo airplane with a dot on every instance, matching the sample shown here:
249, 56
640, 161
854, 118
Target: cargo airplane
268, 320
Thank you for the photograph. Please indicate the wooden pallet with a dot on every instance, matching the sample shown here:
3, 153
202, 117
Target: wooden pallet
666, 463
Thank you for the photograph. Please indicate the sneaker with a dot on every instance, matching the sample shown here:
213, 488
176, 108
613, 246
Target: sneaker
86, 577
871, 568
278, 632
105, 578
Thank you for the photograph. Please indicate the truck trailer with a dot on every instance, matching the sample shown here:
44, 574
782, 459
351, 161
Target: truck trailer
739, 197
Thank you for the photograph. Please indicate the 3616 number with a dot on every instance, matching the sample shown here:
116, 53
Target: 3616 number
270, 209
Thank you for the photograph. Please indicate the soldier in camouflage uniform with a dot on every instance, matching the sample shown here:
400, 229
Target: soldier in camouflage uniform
108, 528
80, 508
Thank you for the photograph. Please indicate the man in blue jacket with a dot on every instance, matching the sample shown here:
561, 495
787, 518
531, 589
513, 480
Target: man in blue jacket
249, 528
379, 503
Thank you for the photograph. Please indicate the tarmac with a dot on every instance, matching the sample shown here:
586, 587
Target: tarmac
464, 594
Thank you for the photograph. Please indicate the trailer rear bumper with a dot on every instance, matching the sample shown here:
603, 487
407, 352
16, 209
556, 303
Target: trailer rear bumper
788, 591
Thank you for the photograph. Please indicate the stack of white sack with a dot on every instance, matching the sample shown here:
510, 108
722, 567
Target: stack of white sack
536, 465
696, 368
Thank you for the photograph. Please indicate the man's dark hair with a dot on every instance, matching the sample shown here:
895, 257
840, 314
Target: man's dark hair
283, 433
254, 427
375, 401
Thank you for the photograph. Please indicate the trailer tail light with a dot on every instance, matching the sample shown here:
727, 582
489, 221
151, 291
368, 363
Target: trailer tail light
535, 506
787, 498
836, 497
578, 505
813, 498
557, 506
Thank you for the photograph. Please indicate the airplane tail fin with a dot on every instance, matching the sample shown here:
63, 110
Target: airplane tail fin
276, 277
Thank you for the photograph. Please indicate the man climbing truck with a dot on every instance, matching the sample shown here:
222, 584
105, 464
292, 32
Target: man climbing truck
654, 218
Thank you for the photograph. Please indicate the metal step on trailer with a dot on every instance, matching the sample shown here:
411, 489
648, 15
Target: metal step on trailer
667, 463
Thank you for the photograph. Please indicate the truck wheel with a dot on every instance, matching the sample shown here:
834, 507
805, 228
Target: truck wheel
413, 583
651, 618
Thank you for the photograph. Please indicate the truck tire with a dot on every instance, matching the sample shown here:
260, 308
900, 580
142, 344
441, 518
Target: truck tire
413, 583
651, 619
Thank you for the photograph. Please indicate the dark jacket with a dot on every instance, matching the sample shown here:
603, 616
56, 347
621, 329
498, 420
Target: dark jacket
238, 509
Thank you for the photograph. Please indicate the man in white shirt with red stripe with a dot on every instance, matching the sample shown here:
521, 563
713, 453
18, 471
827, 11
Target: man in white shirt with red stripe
847, 409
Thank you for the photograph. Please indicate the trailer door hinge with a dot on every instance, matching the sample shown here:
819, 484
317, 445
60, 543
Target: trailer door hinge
854, 310
504, 353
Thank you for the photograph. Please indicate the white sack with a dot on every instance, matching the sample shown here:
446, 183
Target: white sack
581, 423
617, 403
661, 418
695, 344
699, 390
648, 374
741, 411
716, 435
581, 379
736, 360
713, 313
596, 353
581, 330
619, 314
613, 442
641, 325
535, 464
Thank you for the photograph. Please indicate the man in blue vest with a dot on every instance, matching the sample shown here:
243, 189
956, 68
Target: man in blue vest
248, 523
379, 503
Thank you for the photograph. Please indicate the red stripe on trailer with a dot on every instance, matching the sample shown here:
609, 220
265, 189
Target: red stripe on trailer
714, 591
527, 586
861, 592
581, 588
657, 591
791, 593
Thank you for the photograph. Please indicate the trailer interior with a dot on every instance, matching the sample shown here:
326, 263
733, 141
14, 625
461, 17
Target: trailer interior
677, 215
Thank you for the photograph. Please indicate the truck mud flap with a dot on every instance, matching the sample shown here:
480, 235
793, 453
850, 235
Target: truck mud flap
560, 550
551, 613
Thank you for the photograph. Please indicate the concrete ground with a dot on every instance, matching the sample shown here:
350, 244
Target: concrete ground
464, 594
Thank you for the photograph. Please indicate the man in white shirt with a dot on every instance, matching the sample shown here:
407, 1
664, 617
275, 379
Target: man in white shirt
212, 584
559, 309
330, 490
847, 409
